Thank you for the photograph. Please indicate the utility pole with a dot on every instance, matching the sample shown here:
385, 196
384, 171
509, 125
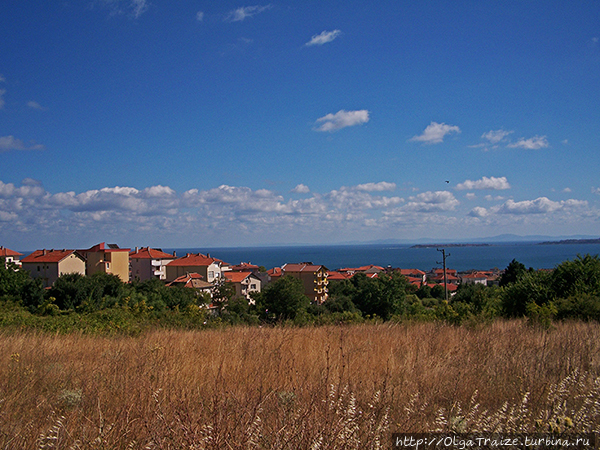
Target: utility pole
444, 256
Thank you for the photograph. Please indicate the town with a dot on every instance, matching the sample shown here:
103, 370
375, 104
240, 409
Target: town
203, 272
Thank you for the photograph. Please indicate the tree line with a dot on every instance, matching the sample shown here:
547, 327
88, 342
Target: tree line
102, 302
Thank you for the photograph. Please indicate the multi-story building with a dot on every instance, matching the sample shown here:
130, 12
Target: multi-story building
10, 256
210, 268
313, 277
147, 263
48, 265
108, 259
244, 283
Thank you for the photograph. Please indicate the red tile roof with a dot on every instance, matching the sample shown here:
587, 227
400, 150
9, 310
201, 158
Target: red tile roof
150, 253
191, 280
101, 247
4, 252
301, 267
412, 272
48, 256
236, 277
242, 267
194, 259
275, 272
336, 276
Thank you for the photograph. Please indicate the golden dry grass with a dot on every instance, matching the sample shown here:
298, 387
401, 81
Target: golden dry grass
323, 387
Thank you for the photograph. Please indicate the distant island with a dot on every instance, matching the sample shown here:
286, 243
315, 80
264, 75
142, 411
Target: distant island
571, 241
449, 245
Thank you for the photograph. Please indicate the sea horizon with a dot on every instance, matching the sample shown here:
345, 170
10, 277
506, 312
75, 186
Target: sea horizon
461, 257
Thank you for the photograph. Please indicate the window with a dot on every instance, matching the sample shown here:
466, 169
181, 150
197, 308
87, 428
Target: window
252, 286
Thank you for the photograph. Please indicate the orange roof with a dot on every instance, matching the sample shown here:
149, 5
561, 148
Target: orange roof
301, 267
194, 259
191, 280
101, 247
412, 272
241, 267
236, 277
150, 253
335, 275
4, 252
48, 256
275, 272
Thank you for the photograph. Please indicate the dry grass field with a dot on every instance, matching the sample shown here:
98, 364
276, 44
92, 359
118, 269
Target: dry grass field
294, 388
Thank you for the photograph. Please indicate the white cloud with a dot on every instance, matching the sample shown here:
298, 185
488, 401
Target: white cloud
567, 190
324, 37
485, 183
2, 102
232, 215
432, 201
540, 205
435, 133
478, 211
496, 136
376, 187
245, 12
534, 143
200, 16
470, 196
301, 189
8, 143
35, 105
134, 8
342, 119
596, 190
491, 198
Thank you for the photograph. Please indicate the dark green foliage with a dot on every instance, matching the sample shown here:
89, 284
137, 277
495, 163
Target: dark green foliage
513, 273
382, 296
18, 286
531, 287
88, 293
282, 300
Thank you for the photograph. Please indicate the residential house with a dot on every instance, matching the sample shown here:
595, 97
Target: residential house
333, 276
313, 277
414, 276
437, 276
193, 281
367, 270
48, 265
108, 259
474, 278
244, 283
10, 256
147, 263
210, 268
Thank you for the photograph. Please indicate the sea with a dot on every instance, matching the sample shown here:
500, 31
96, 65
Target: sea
461, 258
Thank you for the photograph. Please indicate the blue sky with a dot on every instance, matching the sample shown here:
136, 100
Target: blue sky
196, 124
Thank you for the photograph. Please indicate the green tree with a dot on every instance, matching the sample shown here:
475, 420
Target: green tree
534, 287
513, 273
283, 299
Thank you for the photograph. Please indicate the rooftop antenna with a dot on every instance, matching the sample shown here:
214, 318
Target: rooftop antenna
444, 256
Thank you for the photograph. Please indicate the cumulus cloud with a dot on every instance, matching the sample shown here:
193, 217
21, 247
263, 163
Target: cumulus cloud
495, 136
2, 101
324, 37
540, 205
231, 215
534, 143
301, 189
596, 190
376, 187
8, 143
432, 201
494, 183
342, 119
200, 16
435, 133
245, 12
